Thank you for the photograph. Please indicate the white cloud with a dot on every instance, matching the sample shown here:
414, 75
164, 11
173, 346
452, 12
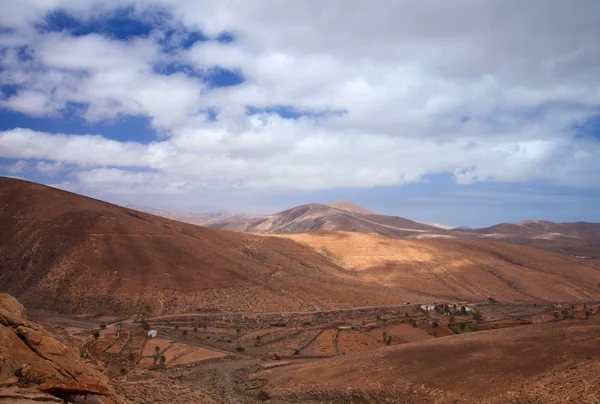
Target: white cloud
484, 90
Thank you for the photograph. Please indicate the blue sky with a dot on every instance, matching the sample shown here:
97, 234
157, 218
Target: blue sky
199, 106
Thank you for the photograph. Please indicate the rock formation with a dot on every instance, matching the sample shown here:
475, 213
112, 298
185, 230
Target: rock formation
35, 367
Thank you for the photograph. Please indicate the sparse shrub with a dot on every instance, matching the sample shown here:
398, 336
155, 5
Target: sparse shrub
451, 320
491, 299
297, 352
556, 315
388, 341
587, 314
185, 332
477, 316
239, 349
163, 359
103, 326
195, 329
413, 322
435, 324
463, 310
263, 396
462, 326
131, 357
96, 334
145, 326
123, 371
177, 326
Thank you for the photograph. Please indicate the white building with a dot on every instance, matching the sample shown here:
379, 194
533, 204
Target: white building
152, 333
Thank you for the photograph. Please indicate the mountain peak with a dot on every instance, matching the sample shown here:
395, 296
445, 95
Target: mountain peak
349, 207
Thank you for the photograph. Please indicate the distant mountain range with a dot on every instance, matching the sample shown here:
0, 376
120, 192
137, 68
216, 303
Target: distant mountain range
194, 218
580, 238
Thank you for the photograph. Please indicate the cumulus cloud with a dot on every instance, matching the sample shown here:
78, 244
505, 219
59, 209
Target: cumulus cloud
386, 95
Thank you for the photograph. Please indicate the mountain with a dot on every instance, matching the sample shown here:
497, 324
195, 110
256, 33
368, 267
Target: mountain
580, 239
195, 218
315, 217
67, 252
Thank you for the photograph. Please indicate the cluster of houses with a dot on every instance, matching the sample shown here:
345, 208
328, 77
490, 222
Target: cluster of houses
431, 307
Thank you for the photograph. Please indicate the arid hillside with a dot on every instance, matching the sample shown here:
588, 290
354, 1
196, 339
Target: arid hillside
460, 269
580, 238
338, 216
63, 251
546, 363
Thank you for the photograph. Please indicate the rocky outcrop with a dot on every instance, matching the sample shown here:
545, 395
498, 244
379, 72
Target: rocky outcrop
35, 367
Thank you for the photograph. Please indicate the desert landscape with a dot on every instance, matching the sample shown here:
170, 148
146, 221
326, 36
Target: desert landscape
319, 316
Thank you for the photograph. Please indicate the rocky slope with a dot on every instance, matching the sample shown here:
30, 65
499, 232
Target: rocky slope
546, 363
35, 367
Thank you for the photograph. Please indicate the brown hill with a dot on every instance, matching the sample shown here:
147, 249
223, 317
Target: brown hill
63, 251
580, 238
314, 217
546, 363
468, 270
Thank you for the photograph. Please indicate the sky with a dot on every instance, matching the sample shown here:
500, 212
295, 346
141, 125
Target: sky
468, 113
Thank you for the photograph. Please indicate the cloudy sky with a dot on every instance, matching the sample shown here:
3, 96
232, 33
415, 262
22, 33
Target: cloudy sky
468, 112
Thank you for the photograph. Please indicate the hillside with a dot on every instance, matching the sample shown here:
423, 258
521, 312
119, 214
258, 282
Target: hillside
460, 269
578, 238
315, 217
63, 251
546, 363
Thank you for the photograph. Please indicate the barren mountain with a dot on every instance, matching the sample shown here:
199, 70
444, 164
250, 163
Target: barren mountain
580, 238
339, 216
546, 363
63, 251
468, 270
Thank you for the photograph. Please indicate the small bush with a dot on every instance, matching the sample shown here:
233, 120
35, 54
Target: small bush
263, 396
123, 371
240, 349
